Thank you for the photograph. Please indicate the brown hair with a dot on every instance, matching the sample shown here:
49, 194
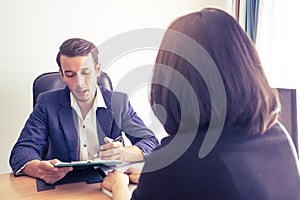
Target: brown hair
251, 103
77, 47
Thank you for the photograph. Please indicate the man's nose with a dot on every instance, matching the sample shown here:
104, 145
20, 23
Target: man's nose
80, 80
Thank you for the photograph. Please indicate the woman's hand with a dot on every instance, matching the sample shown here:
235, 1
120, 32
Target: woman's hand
117, 182
133, 174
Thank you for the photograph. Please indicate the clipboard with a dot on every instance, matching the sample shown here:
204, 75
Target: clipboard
89, 175
88, 163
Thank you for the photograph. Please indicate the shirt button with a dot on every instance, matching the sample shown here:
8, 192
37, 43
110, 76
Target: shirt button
84, 145
83, 126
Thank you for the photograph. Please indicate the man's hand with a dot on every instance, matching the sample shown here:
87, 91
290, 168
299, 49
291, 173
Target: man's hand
116, 151
45, 170
111, 150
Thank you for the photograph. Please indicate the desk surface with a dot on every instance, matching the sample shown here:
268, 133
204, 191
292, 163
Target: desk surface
24, 187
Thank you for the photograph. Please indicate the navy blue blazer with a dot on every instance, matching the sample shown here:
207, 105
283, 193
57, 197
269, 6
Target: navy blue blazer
238, 167
50, 131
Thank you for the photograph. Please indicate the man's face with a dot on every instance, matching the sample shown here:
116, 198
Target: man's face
80, 75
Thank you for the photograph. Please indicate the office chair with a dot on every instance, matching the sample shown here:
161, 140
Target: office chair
288, 113
52, 81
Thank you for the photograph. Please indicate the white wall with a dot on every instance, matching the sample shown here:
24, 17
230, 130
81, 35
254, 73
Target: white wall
32, 31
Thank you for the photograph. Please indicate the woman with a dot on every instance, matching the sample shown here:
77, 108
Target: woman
210, 92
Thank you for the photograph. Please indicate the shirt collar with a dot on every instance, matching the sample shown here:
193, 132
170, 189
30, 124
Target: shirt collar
98, 102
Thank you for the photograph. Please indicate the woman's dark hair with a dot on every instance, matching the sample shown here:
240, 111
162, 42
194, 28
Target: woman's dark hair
250, 103
77, 47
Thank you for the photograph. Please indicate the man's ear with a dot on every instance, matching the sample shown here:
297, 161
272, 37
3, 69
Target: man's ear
61, 75
98, 69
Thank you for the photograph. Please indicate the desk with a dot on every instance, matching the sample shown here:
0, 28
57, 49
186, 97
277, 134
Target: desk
24, 187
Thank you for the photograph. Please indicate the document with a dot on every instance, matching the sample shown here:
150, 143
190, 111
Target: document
89, 163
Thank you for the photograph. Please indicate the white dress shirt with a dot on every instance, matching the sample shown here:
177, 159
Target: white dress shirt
87, 128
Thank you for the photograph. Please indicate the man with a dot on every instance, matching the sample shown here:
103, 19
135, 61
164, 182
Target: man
78, 122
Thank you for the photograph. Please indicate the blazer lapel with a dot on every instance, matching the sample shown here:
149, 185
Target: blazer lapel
104, 117
104, 124
65, 116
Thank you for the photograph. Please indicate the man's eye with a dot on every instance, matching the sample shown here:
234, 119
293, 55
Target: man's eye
69, 75
86, 72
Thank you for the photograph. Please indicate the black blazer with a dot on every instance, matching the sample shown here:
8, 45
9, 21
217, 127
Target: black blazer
260, 167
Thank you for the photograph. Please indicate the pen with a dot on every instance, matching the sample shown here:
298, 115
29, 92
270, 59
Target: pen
117, 139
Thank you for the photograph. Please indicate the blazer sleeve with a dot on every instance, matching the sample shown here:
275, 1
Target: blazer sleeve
32, 139
131, 124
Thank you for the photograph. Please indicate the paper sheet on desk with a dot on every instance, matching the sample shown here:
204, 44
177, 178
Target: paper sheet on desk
123, 167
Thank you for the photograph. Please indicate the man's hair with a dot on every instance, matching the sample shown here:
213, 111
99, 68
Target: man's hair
77, 47
251, 103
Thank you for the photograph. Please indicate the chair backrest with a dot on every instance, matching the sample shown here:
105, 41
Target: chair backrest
288, 114
52, 81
